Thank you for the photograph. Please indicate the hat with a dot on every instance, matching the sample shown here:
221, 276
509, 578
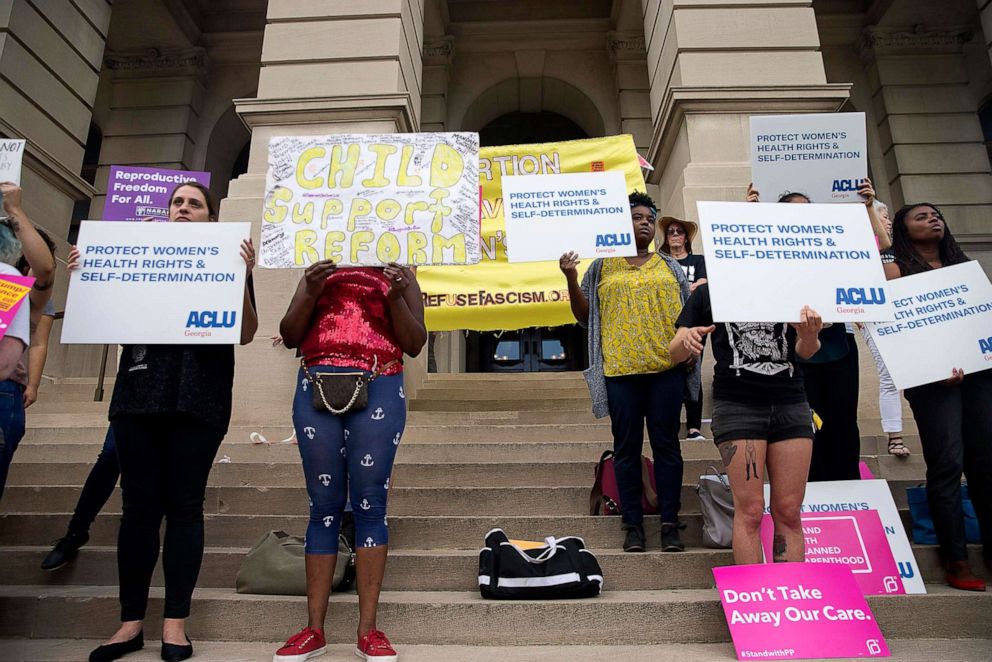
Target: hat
690, 231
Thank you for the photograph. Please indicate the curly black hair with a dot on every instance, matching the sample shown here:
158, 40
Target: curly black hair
789, 196
908, 258
638, 199
22, 264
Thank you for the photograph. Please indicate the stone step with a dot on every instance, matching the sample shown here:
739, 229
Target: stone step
463, 617
904, 650
518, 404
503, 392
420, 570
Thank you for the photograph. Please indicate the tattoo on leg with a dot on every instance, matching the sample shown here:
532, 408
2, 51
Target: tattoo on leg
727, 451
750, 461
779, 547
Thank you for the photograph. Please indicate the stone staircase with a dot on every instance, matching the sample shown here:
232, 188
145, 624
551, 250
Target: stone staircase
479, 451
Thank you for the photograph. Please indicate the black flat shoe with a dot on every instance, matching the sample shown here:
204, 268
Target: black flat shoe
109, 652
176, 652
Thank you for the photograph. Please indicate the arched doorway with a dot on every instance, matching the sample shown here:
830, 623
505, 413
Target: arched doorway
537, 349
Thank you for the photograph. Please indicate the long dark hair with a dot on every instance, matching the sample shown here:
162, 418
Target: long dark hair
907, 257
207, 195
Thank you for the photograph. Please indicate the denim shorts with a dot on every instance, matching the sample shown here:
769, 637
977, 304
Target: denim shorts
771, 423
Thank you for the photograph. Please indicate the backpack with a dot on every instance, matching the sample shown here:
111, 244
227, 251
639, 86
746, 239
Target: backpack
604, 499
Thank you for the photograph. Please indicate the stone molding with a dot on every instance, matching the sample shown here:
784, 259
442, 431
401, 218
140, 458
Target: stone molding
918, 40
155, 61
626, 46
439, 52
347, 109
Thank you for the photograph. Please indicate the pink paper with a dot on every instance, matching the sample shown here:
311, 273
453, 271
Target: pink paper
855, 538
13, 290
786, 611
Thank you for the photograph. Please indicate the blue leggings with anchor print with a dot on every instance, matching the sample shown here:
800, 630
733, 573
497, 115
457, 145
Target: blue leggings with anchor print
353, 451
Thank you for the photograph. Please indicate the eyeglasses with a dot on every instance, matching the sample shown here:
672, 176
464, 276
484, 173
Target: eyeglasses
675, 229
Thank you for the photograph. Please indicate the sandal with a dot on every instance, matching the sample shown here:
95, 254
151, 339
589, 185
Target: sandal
897, 448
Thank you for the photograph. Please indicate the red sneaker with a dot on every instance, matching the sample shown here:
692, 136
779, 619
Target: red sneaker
376, 647
303, 645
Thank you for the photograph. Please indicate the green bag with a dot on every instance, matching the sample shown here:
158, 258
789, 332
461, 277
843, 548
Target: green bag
275, 566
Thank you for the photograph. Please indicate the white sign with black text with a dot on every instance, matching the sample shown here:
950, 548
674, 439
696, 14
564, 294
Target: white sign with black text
11, 156
157, 283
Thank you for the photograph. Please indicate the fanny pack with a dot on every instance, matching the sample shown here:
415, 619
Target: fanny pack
341, 392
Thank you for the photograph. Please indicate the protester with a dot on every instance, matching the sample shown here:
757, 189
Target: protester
346, 321
41, 331
954, 417
19, 236
630, 305
170, 409
678, 237
761, 419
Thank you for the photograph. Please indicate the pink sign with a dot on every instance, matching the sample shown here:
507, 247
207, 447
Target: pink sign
13, 289
787, 611
854, 538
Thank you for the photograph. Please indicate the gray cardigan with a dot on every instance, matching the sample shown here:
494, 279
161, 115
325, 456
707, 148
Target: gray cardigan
594, 375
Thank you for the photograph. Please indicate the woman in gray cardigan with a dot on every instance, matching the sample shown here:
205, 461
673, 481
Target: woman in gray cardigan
630, 305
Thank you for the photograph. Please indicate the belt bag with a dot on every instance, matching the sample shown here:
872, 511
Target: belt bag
561, 568
341, 392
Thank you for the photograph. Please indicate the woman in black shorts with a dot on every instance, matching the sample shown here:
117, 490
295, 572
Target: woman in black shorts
760, 417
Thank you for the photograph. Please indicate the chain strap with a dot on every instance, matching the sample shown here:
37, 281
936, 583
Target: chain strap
358, 385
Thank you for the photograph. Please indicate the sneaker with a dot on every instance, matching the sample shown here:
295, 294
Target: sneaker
375, 646
634, 540
303, 645
695, 436
671, 541
64, 551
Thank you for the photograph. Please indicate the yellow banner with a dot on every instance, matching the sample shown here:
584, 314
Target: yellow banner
494, 294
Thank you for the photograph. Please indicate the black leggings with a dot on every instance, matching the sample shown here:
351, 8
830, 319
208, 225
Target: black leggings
832, 391
165, 461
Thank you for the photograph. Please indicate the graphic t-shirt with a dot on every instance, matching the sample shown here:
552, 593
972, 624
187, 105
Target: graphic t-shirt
694, 267
755, 361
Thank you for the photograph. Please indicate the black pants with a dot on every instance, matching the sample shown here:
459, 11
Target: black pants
832, 391
99, 485
656, 397
165, 461
694, 412
955, 424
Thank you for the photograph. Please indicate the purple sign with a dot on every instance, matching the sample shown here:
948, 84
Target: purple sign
134, 193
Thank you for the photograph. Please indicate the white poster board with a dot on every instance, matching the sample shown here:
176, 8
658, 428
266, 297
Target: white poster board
548, 215
949, 310
11, 156
765, 262
842, 496
411, 198
823, 156
157, 283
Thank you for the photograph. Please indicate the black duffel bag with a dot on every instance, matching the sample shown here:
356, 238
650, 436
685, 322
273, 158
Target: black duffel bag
560, 568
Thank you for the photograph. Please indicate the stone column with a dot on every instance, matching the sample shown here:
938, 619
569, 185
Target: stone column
438, 54
349, 66
711, 64
628, 55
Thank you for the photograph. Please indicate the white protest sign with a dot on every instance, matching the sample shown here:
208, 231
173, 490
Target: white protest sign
157, 283
765, 262
840, 497
411, 198
547, 215
11, 155
949, 309
823, 156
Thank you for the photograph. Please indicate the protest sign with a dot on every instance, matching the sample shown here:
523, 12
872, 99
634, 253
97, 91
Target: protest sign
765, 262
411, 198
13, 291
823, 156
11, 156
788, 611
547, 215
947, 309
855, 539
157, 283
495, 294
846, 497
135, 193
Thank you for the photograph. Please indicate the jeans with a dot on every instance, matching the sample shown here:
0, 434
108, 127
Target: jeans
11, 425
99, 485
165, 461
955, 424
832, 392
656, 397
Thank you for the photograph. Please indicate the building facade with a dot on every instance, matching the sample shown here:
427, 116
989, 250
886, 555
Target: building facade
203, 84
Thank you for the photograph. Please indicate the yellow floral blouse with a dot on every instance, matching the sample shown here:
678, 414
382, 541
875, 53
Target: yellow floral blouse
634, 303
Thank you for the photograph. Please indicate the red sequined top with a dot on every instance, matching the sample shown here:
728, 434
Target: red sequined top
352, 324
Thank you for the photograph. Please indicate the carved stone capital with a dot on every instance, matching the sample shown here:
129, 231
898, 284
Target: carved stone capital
156, 62
917, 40
439, 51
626, 45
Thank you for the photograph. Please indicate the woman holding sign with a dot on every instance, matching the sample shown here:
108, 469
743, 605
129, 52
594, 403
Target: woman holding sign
954, 416
169, 412
630, 305
352, 327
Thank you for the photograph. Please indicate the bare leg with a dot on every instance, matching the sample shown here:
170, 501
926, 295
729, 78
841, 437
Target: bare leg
788, 467
320, 573
174, 631
745, 463
370, 566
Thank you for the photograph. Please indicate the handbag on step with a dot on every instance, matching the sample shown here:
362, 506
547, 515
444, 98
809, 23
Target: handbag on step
275, 566
924, 532
717, 505
604, 498
559, 568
